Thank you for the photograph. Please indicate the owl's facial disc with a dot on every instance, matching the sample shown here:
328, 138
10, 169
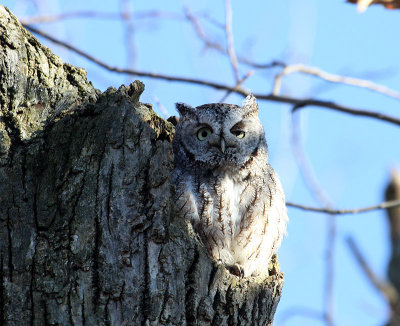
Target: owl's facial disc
220, 138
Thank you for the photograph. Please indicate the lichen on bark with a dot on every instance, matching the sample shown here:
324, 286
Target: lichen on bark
88, 230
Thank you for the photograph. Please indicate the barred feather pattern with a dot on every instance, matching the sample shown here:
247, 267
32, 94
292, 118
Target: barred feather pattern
233, 197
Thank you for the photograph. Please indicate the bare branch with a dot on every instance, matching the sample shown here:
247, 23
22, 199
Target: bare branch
135, 72
362, 83
386, 289
218, 47
40, 19
383, 205
336, 107
298, 103
229, 39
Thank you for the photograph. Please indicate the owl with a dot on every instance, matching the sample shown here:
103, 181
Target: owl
225, 186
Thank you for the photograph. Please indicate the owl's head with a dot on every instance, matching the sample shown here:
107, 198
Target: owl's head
218, 134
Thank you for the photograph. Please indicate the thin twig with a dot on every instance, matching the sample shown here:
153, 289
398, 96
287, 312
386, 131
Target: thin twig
386, 289
362, 83
229, 40
162, 107
298, 103
383, 205
239, 83
218, 47
206, 16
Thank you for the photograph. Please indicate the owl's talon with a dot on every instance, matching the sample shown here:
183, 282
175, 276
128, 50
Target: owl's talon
236, 269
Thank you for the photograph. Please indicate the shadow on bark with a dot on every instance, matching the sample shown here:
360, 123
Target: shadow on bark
88, 234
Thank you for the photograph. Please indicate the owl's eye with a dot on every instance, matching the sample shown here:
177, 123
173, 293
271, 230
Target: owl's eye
238, 133
203, 133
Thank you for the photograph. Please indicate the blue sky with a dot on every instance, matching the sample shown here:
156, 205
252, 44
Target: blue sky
351, 156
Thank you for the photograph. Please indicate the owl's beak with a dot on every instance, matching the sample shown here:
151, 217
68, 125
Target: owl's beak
222, 145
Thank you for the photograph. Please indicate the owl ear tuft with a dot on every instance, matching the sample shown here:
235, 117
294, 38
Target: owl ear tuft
250, 105
184, 109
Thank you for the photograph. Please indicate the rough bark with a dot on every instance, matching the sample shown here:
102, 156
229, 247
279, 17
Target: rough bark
88, 233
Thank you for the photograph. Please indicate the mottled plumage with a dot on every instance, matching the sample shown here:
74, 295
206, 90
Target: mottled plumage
225, 185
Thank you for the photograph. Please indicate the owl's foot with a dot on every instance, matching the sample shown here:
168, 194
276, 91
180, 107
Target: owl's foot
236, 269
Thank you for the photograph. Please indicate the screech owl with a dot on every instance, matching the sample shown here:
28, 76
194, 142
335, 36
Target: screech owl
225, 185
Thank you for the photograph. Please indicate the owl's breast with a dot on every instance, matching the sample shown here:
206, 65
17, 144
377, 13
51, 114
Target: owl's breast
230, 198
221, 206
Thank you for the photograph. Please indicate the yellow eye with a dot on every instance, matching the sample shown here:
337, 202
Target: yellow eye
238, 133
203, 133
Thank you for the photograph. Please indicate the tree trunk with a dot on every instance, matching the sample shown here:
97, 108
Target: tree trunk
88, 233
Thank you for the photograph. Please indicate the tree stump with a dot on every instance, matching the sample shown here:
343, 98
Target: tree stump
88, 231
